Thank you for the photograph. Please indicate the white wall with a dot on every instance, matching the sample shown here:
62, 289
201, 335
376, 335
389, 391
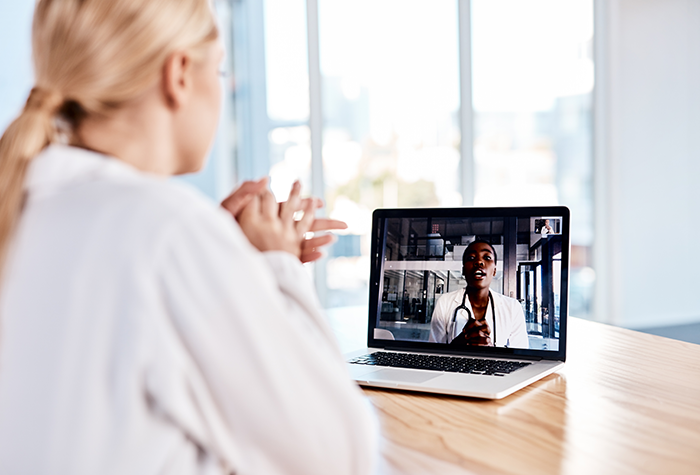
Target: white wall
648, 242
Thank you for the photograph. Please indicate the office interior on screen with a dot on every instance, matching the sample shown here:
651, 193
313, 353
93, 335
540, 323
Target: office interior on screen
423, 261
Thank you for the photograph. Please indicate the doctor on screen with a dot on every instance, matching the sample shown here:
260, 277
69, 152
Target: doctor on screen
475, 315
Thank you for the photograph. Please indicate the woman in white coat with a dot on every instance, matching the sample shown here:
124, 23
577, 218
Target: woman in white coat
143, 329
475, 315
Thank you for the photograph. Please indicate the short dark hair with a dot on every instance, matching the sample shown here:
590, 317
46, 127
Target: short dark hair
482, 241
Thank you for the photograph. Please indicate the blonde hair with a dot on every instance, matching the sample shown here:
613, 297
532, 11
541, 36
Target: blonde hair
90, 58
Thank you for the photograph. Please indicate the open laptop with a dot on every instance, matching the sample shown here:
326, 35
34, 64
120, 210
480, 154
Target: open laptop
466, 301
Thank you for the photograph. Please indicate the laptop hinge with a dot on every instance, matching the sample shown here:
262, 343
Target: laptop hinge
471, 354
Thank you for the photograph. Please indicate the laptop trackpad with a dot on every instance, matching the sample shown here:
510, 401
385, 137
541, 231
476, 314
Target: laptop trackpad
403, 376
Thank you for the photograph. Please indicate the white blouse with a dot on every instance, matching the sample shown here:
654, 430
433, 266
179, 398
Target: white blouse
141, 333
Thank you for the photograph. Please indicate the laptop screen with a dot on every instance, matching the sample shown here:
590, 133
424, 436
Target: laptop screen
470, 279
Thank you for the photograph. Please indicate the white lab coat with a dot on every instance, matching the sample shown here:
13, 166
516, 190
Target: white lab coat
141, 333
510, 320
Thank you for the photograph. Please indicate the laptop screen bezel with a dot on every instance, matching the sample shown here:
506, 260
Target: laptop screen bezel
379, 217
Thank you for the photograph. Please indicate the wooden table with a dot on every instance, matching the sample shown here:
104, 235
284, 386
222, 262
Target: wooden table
625, 403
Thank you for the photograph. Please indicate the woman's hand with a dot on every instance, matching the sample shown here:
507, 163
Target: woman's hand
271, 227
317, 237
312, 237
477, 332
236, 201
310, 248
474, 333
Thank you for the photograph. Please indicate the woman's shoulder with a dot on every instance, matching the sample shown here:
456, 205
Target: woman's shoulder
106, 197
176, 212
63, 173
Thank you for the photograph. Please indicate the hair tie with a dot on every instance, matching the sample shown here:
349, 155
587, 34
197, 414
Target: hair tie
42, 99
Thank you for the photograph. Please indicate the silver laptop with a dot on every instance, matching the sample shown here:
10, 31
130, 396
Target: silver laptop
466, 301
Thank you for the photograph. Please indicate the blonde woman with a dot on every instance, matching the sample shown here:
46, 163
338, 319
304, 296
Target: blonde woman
143, 329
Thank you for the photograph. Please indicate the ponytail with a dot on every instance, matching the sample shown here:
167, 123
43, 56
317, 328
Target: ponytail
28, 135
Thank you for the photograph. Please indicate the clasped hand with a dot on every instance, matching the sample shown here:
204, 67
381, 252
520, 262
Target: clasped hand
475, 332
271, 226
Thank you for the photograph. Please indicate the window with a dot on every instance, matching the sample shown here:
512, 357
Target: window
391, 78
422, 103
532, 74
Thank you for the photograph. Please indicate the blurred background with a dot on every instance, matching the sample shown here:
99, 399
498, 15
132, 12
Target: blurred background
392, 103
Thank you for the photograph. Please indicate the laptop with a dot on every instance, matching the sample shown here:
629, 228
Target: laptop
465, 301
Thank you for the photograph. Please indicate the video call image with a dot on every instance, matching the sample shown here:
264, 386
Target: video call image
471, 281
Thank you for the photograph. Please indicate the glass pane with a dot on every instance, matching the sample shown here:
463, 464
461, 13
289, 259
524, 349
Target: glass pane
287, 95
391, 136
532, 94
290, 154
286, 60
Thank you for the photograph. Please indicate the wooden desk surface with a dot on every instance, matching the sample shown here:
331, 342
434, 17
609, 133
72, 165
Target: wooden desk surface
626, 402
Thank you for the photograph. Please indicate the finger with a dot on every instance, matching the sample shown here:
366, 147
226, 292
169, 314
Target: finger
484, 328
310, 256
249, 187
471, 325
292, 205
303, 226
235, 202
326, 224
484, 340
476, 329
268, 204
478, 340
251, 210
481, 323
318, 241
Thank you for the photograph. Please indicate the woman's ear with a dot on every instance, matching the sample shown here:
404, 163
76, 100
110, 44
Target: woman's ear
177, 79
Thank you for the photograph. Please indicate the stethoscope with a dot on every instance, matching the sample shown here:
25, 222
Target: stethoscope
464, 307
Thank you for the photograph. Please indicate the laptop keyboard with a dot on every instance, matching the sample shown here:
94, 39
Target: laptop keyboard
452, 364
